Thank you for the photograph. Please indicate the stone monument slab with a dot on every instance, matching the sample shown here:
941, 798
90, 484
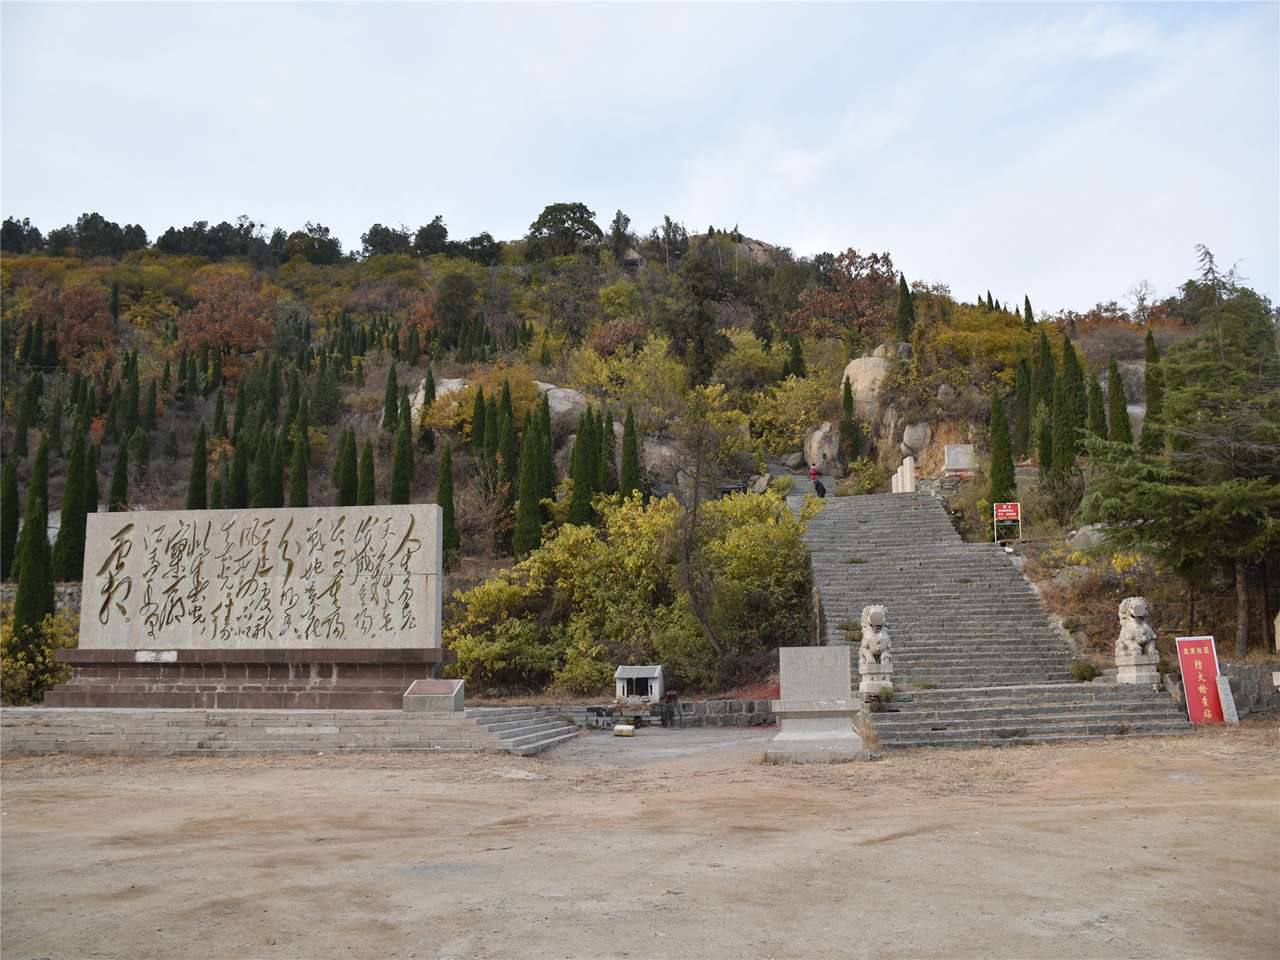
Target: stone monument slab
817, 708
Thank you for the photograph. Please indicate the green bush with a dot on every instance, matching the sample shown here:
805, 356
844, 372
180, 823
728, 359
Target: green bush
863, 476
1083, 671
27, 663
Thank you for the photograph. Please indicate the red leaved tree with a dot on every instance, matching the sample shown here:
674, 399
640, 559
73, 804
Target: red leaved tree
858, 303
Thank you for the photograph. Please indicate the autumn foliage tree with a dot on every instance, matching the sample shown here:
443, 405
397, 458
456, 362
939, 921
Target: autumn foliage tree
232, 311
859, 304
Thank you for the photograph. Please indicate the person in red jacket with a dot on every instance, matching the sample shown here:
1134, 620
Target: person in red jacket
813, 473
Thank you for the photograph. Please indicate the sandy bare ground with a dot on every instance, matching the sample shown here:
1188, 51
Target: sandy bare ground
1151, 848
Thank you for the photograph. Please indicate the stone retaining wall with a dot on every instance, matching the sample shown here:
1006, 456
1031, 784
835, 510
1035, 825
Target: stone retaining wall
689, 714
39, 730
66, 596
1252, 686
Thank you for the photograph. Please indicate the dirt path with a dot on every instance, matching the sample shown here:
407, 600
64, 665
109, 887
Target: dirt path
1153, 848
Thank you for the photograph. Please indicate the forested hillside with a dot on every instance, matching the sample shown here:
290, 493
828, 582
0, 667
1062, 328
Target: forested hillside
549, 391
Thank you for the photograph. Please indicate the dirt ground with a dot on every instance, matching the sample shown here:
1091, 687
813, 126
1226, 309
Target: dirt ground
685, 847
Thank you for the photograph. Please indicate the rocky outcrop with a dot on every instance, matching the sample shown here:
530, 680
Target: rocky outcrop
866, 377
822, 447
915, 438
566, 404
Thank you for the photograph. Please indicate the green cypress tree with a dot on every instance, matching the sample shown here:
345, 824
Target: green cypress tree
215, 382
527, 535
21, 426
991, 302
140, 451
1096, 422
197, 498
548, 449
38, 485
402, 464
35, 572
607, 459
219, 418
260, 495
9, 516
217, 497
391, 403
507, 462
426, 436
850, 434
630, 479
303, 427
133, 401
1003, 485
1044, 373
1073, 374
366, 488
1044, 446
298, 472
491, 430
452, 542
795, 361
118, 492
1151, 440
242, 414
1028, 318
237, 495
906, 318
348, 472
149, 410
280, 451
1064, 446
479, 411
583, 475
166, 378
91, 495
1021, 438
1119, 430
55, 426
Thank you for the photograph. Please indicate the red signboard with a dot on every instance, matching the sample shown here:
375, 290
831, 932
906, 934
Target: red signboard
1008, 511
1198, 658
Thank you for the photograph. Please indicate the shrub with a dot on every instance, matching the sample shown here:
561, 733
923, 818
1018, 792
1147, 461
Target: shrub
863, 476
781, 485
27, 664
1083, 671
782, 414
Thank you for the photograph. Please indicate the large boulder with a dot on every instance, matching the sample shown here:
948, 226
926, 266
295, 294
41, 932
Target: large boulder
866, 378
915, 437
822, 447
794, 461
660, 459
443, 389
566, 405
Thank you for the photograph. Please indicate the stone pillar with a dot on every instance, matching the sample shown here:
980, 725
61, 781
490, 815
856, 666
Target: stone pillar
909, 475
894, 482
817, 708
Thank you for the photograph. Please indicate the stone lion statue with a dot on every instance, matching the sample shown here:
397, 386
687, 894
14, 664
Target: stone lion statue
874, 650
1136, 636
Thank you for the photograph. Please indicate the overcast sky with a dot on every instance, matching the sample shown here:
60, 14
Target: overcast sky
1061, 151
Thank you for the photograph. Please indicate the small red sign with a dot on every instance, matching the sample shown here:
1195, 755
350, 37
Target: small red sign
1198, 658
1008, 511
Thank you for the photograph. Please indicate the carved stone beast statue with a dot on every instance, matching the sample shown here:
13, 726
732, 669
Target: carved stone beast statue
873, 652
1136, 636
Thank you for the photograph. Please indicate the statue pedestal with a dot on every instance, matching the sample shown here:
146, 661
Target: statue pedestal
875, 679
817, 709
1137, 668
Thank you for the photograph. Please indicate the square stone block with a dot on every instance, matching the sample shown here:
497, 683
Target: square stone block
434, 696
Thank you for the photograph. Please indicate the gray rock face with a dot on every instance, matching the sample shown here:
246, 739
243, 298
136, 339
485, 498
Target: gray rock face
822, 447
793, 460
760, 484
660, 459
947, 394
1086, 538
566, 404
915, 437
866, 378
443, 389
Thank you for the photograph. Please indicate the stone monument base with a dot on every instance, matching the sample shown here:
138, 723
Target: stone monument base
230, 679
1138, 668
816, 731
875, 680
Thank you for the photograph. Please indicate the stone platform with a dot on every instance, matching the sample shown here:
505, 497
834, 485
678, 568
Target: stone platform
43, 730
230, 679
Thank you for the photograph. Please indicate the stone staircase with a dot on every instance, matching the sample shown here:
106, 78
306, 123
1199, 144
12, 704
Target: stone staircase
185, 732
524, 730
976, 660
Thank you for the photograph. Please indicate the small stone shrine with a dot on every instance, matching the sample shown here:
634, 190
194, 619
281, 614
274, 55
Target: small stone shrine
1136, 656
875, 662
817, 708
320, 608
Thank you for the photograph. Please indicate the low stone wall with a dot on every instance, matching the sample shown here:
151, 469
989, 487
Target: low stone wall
1252, 686
40, 730
687, 715
66, 596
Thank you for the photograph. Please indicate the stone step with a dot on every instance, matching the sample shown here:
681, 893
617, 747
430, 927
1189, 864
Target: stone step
979, 739
1074, 691
998, 716
529, 728
546, 743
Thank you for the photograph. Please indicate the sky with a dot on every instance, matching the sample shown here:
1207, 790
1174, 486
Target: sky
1065, 152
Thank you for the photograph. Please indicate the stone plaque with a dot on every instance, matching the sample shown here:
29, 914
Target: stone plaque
309, 577
959, 457
1228, 700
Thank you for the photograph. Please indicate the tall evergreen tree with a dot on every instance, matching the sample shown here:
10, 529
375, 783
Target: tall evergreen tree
402, 465
548, 449
391, 403
426, 436
35, 572
150, 408
527, 535
1003, 485
583, 473
219, 418
260, 493
8, 516
906, 317
118, 492
479, 412
850, 432
451, 541
1064, 431
1044, 446
197, 498
607, 458
237, 495
1119, 430
1096, 421
55, 425
366, 487
630, 479
1044, 373
1151, 440
348, 472
507, 461
1028, 318
242, 414
217, 497
491, 430
298, 472
91, 494
38, 485
140, 452
1021, 438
